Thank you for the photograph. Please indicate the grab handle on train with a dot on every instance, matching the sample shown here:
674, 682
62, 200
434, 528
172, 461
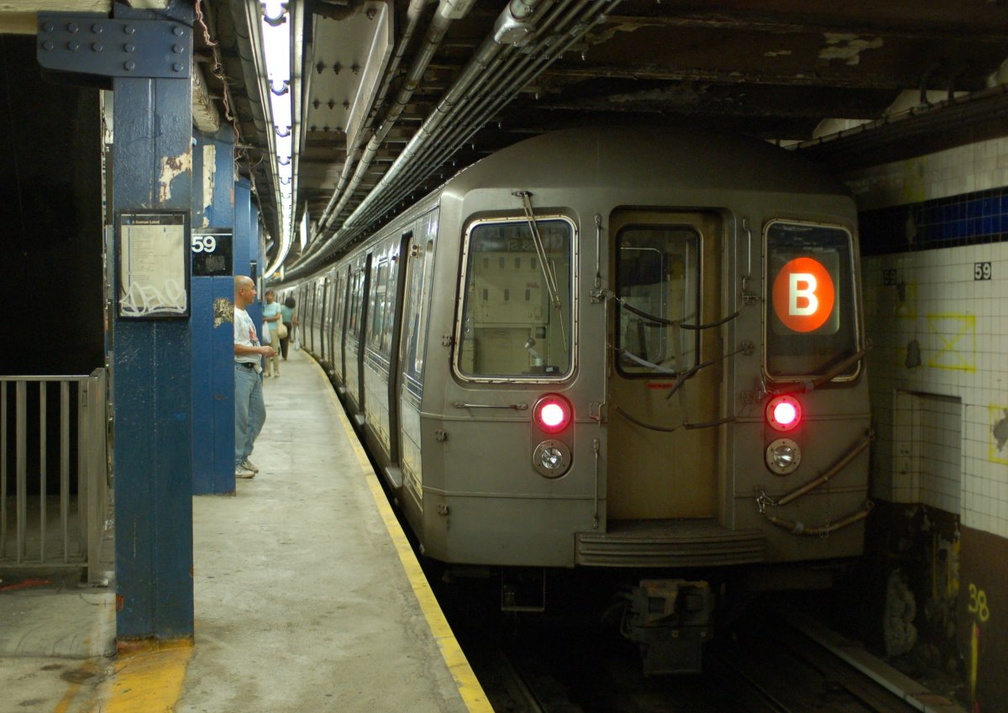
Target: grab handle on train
516, 407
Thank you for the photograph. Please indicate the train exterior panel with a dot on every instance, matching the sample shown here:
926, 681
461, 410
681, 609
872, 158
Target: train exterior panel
614, 349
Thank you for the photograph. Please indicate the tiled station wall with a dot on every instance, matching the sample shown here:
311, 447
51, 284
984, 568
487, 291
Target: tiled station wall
934, 240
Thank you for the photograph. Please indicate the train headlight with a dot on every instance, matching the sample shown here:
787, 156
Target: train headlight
551, 459
552, 413
783, 413
783, 456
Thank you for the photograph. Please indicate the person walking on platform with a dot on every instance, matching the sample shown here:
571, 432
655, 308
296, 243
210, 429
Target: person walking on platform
250, 409
274, 331
289, 318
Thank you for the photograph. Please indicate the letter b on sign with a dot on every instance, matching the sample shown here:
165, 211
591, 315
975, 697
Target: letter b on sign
803, 295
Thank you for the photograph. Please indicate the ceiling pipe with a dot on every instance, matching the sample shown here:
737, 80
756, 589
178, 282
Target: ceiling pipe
520, 69
359, 159
461, 113
517, 13
414, 14
435, 34
476, 68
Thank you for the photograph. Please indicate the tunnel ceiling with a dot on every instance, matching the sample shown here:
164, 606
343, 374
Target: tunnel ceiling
443, 86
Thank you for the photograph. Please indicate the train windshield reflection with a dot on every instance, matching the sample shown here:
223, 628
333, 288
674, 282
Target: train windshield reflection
658, 285
515, 323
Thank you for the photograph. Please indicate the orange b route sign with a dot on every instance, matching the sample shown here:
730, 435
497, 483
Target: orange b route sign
803, 294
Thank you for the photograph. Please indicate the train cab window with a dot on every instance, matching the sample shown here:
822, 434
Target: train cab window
517, 300
356, 293
811, 321
658, 288
416, 312
380, 308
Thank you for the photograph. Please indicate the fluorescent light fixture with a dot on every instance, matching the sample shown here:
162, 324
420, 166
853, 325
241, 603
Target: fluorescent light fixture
276, 29
274, 12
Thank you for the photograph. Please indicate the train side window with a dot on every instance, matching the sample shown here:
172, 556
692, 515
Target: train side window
378, 302
658, 286
341, 288
500, 336
356, 288
811, 322
317, 303
416, 313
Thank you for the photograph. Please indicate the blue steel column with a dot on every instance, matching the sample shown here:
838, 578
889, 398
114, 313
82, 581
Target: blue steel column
212, 337
152, 394
243, 226
246, 244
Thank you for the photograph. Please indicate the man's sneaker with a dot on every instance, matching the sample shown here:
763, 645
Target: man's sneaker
249, 465
243, 472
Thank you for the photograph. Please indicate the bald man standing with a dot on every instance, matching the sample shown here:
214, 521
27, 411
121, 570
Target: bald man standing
250, 410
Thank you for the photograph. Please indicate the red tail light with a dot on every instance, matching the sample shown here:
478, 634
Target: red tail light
783, 413
552, 413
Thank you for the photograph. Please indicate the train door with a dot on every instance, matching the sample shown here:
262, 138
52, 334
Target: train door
354, 331
325, 323
665, 377
403, 263
361, 355
316, 318
339, 334
415, 308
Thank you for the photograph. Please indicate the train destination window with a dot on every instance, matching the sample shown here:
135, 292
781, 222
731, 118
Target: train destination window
517, 300
811, 323
658, 286
417, 310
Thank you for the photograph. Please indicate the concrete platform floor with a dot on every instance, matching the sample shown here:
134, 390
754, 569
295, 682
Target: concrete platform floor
307, 597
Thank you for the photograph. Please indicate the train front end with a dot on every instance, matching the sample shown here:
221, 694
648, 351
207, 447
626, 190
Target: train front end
656, 376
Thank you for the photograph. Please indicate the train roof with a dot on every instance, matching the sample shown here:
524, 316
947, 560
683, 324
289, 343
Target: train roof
605, 156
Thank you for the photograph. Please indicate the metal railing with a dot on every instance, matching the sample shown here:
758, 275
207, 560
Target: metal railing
54, 472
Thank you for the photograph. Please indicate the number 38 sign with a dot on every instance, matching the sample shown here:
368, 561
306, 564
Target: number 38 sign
804, 296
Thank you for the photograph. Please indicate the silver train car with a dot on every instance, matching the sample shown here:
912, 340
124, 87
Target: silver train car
611, 351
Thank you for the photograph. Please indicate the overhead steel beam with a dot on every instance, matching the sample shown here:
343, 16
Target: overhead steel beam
953, 122
781, 25
818, 77
19, 17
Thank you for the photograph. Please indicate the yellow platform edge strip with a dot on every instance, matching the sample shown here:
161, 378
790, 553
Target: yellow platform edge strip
468, 686
147, 678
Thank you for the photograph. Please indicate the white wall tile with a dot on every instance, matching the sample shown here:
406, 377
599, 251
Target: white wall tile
952, 467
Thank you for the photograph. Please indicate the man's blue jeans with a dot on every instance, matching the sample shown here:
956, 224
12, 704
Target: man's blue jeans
250, 410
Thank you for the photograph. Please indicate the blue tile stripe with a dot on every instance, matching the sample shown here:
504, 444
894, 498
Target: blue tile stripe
967, 219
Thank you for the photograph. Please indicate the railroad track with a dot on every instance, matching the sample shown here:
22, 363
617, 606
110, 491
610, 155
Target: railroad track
787, 672
780, 670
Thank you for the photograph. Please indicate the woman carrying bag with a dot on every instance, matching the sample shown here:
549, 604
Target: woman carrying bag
271, 321
289, 320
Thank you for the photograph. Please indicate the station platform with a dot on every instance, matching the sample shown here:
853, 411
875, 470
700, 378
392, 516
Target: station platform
307, 597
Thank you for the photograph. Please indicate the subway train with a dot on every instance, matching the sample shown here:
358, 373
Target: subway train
632, 354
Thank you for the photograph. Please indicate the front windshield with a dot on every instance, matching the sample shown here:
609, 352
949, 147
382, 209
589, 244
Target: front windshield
517, 300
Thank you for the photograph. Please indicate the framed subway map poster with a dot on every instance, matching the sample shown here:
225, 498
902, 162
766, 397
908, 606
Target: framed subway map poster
153, 262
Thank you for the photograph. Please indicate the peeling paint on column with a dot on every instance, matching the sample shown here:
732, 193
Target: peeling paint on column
173, 167
209, 170
847, 47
